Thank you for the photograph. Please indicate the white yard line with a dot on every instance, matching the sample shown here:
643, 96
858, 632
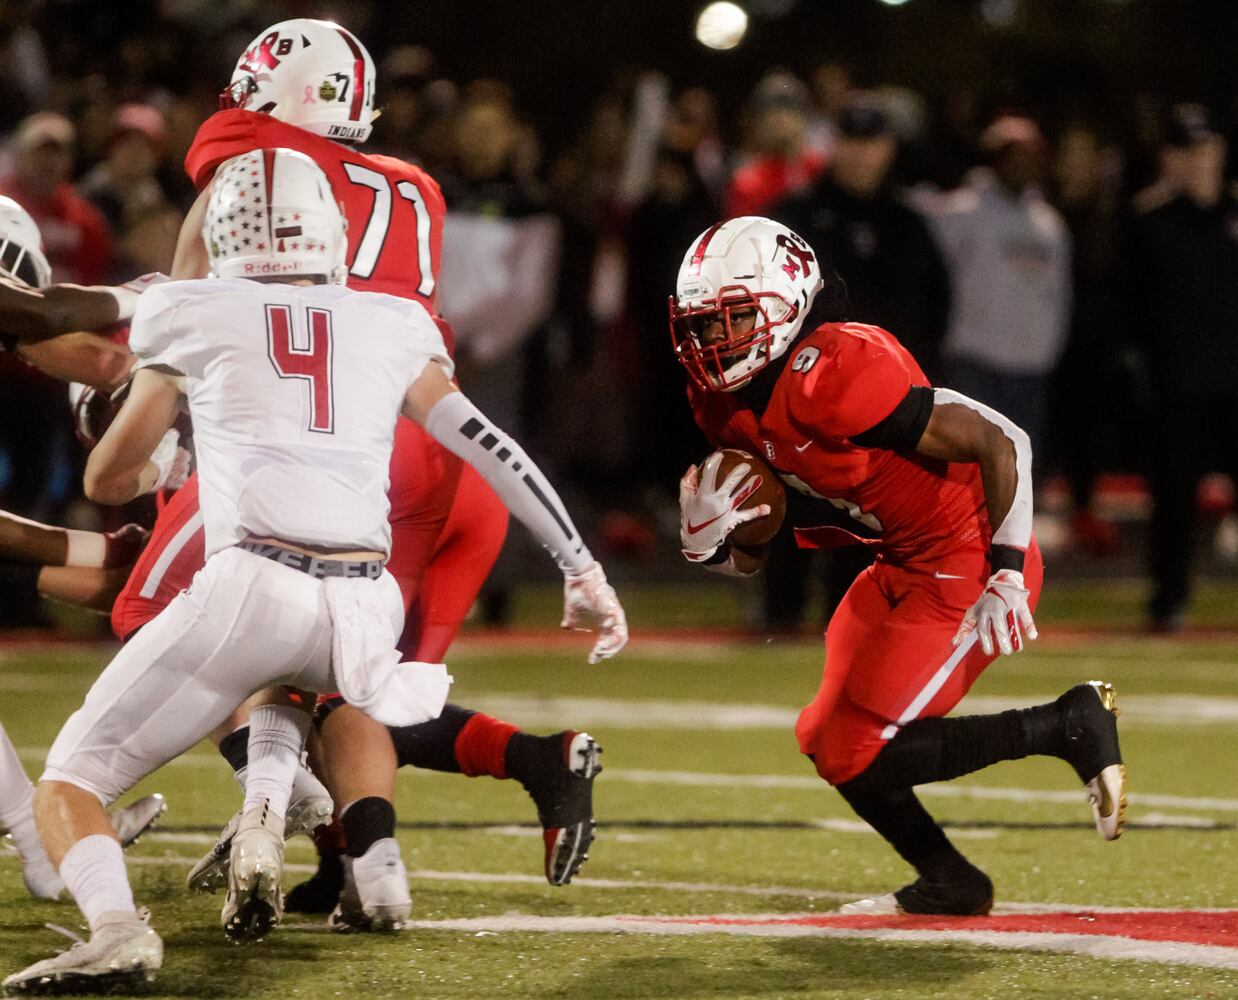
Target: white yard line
538, 712
709, 779
641, 884
1093, 946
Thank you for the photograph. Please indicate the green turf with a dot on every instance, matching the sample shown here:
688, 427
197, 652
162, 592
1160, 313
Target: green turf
1036, 851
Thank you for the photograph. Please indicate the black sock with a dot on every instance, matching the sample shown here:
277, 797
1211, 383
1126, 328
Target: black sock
525, 756
941, 749
899, 817
235, 748
366, 821
431, 745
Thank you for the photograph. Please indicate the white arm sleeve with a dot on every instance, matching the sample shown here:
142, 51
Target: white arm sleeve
1016, 529
462, 428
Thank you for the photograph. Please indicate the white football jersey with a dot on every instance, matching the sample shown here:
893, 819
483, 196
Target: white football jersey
294, 392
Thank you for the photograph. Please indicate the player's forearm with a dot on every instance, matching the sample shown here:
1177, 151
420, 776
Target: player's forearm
29, 541
80, 357
463, 429
116, 485
96, 589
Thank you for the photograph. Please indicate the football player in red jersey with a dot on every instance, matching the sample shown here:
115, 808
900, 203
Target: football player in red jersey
940, 484
309, 85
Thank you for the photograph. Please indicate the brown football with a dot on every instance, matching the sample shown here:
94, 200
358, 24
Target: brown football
769, 491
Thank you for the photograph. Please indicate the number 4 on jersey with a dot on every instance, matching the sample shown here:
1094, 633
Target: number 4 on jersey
311, 363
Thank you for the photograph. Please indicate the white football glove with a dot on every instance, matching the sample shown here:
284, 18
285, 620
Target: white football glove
999, 613
708, 512
173, 462
588, 601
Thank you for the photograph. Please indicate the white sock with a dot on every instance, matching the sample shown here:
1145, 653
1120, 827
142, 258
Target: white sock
16, 792
276, 738
94, 872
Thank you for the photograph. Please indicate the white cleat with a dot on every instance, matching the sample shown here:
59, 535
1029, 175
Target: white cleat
375, 896
255, 903
122, 953
305, 815
136, 818
37, 872
874, 906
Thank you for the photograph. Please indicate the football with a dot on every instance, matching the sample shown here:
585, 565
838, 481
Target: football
769, 491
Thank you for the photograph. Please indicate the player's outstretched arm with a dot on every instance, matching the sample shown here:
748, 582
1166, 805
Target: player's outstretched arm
961, 430
80, 357
458, 425
140, 452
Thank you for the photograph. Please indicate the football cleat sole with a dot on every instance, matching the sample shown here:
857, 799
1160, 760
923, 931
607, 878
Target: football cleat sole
567, 848
1107, 791
253, 908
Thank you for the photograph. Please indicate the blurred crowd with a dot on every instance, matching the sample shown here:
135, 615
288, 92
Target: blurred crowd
1079, 274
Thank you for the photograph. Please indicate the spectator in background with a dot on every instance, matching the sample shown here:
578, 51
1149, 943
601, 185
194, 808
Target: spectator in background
126, 184
75, 234
1092, 382
677, 209
1181, 272
831, 92
883, 248
1008, 254
782, 161
896, 279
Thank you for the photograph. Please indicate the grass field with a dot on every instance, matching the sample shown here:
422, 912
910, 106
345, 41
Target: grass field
719, 854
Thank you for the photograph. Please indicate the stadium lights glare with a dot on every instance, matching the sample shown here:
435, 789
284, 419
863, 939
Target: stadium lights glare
894, 3
721, 25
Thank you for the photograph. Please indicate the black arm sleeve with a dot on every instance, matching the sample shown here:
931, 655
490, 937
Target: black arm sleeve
903, 428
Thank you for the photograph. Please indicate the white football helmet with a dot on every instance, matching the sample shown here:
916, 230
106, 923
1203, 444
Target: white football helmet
313, 74
741, 265
272, 214
21, 246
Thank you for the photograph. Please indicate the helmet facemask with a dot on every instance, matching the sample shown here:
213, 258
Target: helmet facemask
734, 358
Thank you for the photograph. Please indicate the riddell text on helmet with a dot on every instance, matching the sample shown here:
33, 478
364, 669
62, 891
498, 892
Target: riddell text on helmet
272, 267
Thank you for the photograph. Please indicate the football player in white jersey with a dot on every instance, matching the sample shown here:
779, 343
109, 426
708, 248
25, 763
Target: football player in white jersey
294, 384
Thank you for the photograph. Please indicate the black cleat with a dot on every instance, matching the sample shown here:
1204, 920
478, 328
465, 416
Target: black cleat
1091, 722
562, 790
321, 891
970, 894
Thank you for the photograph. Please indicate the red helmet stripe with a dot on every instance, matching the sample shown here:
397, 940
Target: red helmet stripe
268, 176
698, 255
358, 76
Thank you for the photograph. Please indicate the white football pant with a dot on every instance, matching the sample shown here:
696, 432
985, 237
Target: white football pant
244, 624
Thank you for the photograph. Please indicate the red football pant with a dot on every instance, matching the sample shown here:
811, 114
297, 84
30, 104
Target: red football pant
175, 552
447, 527
465, 553
889, 657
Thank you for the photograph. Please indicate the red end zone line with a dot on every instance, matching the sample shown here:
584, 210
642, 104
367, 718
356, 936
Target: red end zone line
1215, 928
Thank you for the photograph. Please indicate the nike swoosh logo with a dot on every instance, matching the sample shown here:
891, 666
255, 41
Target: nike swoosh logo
694, 528
803, 447
736, 503
948, 576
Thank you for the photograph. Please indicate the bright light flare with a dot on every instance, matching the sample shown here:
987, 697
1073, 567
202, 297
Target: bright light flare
721, 25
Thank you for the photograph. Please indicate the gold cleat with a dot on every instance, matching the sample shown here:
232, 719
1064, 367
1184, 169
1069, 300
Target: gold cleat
1107, 791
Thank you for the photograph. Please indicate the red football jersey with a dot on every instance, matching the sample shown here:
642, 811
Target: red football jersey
842, 380
394, 210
